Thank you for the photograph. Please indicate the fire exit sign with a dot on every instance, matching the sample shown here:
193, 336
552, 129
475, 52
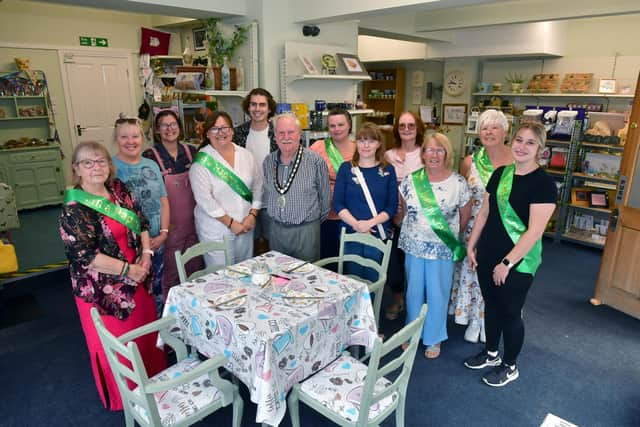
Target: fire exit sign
94, 41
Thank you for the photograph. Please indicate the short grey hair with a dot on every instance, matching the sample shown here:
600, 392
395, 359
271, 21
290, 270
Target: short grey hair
290, 116
490, 117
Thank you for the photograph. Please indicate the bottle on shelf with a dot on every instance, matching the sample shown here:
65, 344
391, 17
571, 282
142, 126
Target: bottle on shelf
225, 75
359, 105
240, 75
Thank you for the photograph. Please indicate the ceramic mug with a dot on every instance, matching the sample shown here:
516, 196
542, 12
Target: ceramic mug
484, 87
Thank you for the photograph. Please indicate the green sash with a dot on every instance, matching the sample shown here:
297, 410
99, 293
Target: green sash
333, 153
514, 225
104, 206
433, 213
222, 172
483, 165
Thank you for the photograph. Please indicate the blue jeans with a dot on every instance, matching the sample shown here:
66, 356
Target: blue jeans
430, 278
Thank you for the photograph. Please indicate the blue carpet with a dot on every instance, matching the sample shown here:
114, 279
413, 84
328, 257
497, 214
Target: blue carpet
579, 362
37, 241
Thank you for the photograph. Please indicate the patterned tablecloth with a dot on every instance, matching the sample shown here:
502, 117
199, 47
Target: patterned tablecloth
277, 335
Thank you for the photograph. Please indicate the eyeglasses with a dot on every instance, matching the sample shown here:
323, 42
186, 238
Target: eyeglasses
89, 164
128, 120
439, 151
221, 129
409, 126
166, 126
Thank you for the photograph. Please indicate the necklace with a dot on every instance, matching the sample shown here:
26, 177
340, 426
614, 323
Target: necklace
282, 190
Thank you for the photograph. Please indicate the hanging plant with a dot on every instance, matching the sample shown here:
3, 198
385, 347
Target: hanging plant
219, 46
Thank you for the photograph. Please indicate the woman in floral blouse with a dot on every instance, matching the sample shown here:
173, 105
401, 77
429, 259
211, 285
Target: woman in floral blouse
437, 208
106, 240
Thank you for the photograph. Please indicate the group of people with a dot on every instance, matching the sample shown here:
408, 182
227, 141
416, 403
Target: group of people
467, 242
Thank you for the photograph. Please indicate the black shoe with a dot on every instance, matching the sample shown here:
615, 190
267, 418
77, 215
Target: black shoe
501, 375
482, 360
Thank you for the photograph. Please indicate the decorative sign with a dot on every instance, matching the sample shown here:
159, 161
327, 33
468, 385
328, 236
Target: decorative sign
94, 41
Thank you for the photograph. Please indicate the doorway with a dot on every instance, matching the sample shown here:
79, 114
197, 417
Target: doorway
98, 86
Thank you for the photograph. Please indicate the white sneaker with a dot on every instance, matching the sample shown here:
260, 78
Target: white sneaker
472, 333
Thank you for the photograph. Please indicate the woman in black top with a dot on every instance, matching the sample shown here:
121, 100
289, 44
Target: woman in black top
518, 203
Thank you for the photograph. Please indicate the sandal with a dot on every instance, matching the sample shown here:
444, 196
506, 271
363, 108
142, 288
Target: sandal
393, 311
432, 351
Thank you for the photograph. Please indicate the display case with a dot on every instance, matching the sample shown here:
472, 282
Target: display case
384, 93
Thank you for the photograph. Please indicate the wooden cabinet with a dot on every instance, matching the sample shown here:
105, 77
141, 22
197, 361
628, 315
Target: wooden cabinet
384, 93
35, 174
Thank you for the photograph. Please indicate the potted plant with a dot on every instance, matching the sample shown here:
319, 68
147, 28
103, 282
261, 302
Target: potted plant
516, 80
220, 47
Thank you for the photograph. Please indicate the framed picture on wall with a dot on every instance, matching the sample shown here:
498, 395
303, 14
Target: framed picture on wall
580, 197
607, 86
350, 64
599, 199
199, 38
454, 114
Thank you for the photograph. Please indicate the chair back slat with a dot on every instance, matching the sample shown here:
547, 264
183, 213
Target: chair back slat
199, 249
404, 361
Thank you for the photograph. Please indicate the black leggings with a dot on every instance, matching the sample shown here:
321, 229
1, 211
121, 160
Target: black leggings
395, 271
503, 310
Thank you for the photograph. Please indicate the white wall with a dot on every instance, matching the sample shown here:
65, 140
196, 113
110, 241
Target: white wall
372, 49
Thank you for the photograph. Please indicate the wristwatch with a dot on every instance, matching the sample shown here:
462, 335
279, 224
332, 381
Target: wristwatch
507, 263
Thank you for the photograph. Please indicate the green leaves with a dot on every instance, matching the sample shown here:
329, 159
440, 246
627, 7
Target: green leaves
219, 46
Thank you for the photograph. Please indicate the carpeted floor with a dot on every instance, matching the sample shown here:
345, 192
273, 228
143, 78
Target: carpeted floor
37, 241
579, 362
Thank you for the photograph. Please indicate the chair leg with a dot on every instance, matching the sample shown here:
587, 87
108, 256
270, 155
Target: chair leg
400, 411
238, 408
129, 421
293, 405
377, 304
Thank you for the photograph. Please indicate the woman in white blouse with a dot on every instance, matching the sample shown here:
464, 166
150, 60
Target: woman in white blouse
227, 186
437, 207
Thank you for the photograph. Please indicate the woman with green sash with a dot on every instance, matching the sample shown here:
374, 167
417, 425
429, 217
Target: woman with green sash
437, 208
106, 239
335, 150
227, 186
506, 249
467, 304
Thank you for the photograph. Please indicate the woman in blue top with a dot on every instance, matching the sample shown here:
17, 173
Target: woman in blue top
143, 177
349, 199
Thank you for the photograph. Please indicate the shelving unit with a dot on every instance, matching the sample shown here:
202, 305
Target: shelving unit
33, 171
389, 84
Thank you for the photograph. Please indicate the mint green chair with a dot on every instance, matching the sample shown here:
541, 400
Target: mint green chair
380, 268
200, 249
350, 393
181, 395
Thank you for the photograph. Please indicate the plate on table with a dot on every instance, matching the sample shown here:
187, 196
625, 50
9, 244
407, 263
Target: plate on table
237, 272
298, 267
231, 300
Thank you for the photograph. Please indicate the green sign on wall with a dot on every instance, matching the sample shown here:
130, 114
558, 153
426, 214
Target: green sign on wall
94, 41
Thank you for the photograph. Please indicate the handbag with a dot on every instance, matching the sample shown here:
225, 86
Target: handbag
8, 258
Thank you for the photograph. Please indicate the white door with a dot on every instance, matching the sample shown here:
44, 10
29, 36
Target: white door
98, 88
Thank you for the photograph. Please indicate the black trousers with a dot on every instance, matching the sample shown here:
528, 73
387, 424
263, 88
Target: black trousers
395, 271
503, 310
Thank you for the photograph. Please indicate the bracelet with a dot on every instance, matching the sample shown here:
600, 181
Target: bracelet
255, 215
125, 269
148, 251
164, 230
230, 224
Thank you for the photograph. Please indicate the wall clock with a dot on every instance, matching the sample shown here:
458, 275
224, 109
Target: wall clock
455, 82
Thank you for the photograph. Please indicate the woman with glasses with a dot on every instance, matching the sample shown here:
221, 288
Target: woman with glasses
144, 179
408, 135
467, 304
518, 202
227, 185
366, 173
106, 239
335, 150
174, 159
437, 208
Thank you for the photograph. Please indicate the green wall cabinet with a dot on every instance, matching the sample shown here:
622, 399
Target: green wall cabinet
35, 174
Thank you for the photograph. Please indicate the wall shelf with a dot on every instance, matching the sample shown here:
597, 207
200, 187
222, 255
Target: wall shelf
293, 78
554, 95
354, 112
211, 92
24, 118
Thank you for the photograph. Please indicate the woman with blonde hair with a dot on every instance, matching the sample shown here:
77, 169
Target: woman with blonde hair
106, 239
467, 304
437, 207
517, 205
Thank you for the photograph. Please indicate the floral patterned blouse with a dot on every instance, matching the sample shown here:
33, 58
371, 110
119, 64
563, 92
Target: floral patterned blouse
85, 234
417, 238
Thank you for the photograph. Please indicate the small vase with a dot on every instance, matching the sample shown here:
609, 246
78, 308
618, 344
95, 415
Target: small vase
226, 75
240, 75
516, 87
